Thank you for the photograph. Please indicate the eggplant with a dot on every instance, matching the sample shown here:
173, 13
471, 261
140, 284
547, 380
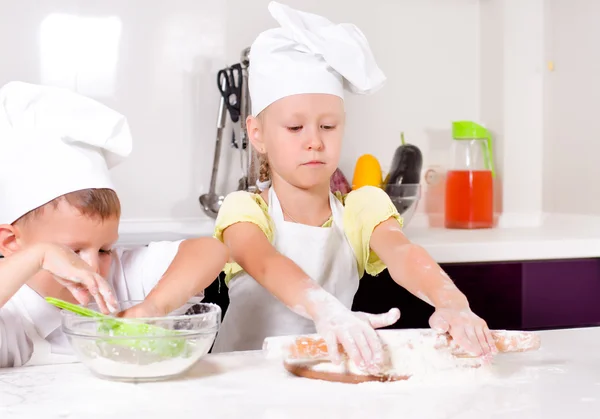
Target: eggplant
405, 170
406, 166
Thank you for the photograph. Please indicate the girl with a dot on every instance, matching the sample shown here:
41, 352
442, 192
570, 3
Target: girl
299, 251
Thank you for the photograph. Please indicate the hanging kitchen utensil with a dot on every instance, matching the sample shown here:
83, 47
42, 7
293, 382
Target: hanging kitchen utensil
211, 202
229, 81
235, 99
247, 153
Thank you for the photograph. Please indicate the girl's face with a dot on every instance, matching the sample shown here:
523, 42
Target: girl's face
302, 137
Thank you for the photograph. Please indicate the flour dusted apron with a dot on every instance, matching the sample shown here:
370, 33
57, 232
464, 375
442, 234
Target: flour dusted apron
324, 254
42, 349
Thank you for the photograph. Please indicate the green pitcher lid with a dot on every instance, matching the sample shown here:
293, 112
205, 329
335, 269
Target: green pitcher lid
466, 130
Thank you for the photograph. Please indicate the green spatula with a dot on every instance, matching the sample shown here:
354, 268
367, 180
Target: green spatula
110, 326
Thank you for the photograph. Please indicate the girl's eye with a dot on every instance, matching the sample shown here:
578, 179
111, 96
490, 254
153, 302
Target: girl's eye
295, 129
327, 127
106, 251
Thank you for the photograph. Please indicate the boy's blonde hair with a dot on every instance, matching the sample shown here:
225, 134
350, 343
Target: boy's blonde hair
94, 203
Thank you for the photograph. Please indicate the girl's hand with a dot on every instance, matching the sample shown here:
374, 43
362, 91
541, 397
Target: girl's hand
467, 329
355, 331
144, 309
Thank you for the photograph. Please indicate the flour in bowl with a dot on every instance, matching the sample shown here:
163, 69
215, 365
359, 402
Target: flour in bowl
126, 363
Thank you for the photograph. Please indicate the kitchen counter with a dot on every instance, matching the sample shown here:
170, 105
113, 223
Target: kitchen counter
555, 236
560, 380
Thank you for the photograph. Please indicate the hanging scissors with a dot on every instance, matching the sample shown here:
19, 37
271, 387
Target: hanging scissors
229, 81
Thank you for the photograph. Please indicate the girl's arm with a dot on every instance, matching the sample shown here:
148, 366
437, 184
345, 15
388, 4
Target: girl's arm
412, 268
251, 249
195, 266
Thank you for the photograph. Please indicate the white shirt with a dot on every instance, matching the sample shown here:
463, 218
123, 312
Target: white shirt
134, 272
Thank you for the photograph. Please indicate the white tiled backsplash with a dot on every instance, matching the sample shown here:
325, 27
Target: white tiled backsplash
156, 62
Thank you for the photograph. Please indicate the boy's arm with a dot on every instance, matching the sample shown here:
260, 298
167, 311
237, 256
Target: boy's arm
285, 280
16, 347
195, 266
66, 267
414, 269
17, 269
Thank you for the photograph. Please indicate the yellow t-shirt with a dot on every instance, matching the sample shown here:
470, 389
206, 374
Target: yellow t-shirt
364, 209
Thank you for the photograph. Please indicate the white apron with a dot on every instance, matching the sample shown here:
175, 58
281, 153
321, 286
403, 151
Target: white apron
42, 349
324, 254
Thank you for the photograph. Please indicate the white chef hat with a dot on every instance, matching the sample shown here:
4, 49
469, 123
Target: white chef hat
53, 142
309, 54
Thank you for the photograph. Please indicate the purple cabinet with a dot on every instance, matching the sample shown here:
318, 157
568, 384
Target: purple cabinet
561, 293
529, 295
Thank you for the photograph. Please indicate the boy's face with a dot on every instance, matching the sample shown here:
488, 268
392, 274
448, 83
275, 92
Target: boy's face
302, 136
90, 237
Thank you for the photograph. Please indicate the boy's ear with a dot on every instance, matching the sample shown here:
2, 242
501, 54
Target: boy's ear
255, 134
8, 240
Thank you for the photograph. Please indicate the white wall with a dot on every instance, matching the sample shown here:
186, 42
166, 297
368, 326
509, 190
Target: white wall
164, 79
512, 74
572, 143
483, 60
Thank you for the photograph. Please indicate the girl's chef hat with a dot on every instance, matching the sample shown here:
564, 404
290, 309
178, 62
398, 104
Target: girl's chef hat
309, 54
52, 142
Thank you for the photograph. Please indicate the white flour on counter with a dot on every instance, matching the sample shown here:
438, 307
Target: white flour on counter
418, 355
262, 388
559, 379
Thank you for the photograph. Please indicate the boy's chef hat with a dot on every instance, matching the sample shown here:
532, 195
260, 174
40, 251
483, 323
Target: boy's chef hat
309, 54
52, 142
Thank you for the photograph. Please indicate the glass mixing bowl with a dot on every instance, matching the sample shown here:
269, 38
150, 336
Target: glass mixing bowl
142, 349
405, 198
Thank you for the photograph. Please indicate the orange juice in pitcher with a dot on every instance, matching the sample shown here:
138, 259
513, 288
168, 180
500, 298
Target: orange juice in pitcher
469, 201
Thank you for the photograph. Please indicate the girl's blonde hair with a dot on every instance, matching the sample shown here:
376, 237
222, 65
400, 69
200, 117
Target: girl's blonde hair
263, 171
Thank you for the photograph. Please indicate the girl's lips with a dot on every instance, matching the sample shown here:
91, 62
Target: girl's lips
313, 163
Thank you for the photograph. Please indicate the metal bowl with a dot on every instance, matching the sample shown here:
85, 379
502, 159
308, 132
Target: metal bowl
168, 347
405, 198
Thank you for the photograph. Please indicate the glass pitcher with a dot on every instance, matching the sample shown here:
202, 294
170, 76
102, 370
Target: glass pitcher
469, 202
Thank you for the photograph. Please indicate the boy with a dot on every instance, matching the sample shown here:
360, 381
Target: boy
59, 218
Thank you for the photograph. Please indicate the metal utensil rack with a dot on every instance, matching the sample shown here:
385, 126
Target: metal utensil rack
210, 202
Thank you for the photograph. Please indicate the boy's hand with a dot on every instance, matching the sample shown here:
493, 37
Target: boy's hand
77, 276
469, 331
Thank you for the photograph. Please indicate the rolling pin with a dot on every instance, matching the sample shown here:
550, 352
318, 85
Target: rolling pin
306, 355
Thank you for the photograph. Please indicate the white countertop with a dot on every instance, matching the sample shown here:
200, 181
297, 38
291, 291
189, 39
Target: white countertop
556, 236
549, 236
561, 380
